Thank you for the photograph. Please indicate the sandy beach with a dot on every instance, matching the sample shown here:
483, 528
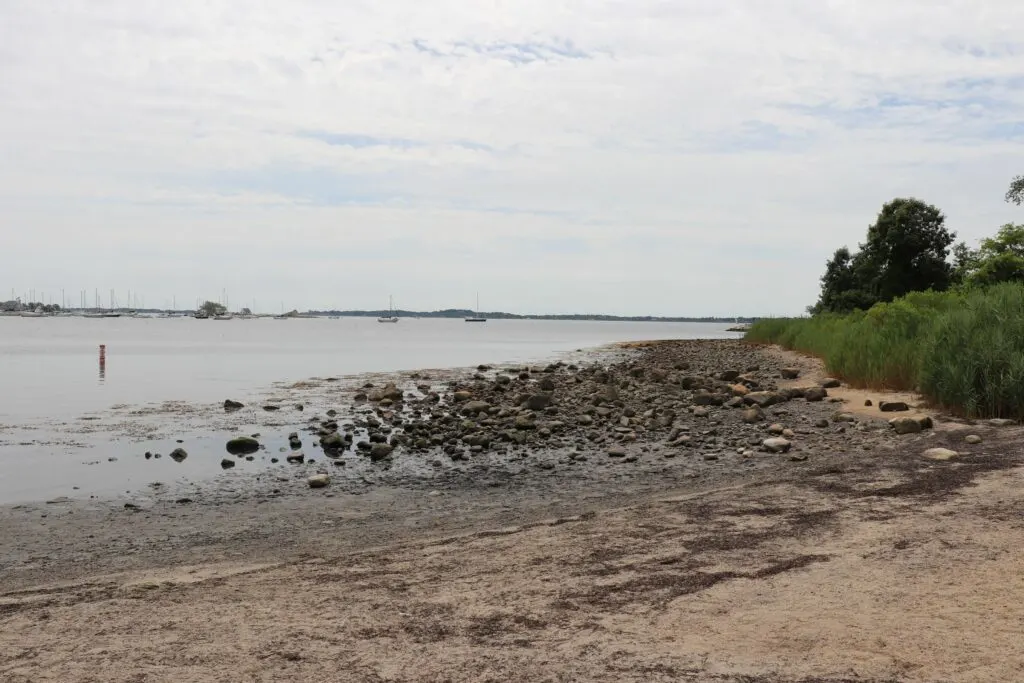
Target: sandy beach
667, 538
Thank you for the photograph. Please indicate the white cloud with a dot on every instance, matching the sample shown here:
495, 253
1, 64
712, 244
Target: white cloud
656, 157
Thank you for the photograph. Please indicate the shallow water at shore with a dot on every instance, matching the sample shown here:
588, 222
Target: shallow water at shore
51, 366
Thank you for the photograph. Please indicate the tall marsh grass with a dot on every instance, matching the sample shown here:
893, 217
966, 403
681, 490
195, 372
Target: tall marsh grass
963, 351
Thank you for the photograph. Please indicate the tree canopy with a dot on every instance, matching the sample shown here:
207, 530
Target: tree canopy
1015, 194
906, 250
213, 308
998, 259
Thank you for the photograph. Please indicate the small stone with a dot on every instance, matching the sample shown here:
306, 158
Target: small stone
227, 463
547, 384
776, 445
868, 403
893, 406
798, 457
830, 383
790, 373
178, 454
940, 454
776, 428
318, 481
701, 412
972, 439
821, 424
844, 417
616, 452
999, 422
231, 406
271, 408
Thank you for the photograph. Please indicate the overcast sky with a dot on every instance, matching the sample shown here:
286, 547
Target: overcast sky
683, 157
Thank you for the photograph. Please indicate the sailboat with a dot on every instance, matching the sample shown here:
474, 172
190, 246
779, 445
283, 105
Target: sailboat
391, 317
475, 318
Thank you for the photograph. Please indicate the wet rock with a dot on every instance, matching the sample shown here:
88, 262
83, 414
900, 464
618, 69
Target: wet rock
547, 384
318, 481
474, 407
868, 403
295, 458
893, 406
242, 445
231, 406
789, 373
503, 380
940, 454
333, 442
271, 408
380, 451
178, 455
227, 463
294, 442
777, 445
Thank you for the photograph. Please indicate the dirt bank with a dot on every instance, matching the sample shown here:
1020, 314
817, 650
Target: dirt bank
849, 557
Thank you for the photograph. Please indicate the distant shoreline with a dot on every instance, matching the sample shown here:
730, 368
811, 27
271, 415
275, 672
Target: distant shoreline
452, 314
492, 315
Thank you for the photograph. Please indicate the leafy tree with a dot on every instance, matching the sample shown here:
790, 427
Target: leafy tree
842, 285
213, 308
997, 259
906, 250
1015, 194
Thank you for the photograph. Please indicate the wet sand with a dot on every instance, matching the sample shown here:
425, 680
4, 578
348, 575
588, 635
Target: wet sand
864, 561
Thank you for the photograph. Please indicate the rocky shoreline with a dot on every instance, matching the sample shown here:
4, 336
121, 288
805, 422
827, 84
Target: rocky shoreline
682, 409
651, 412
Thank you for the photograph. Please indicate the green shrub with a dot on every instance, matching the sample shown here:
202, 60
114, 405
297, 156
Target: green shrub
963, 350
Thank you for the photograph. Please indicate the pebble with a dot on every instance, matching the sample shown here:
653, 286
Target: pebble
972, 439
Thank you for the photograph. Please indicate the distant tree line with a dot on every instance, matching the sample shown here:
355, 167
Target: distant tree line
908, 249
17, 305
497, 315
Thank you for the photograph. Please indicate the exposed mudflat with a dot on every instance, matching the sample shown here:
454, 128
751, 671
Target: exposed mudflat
660, 539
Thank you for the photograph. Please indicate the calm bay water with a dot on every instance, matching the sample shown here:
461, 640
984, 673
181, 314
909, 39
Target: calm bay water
51, 365
51, 379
